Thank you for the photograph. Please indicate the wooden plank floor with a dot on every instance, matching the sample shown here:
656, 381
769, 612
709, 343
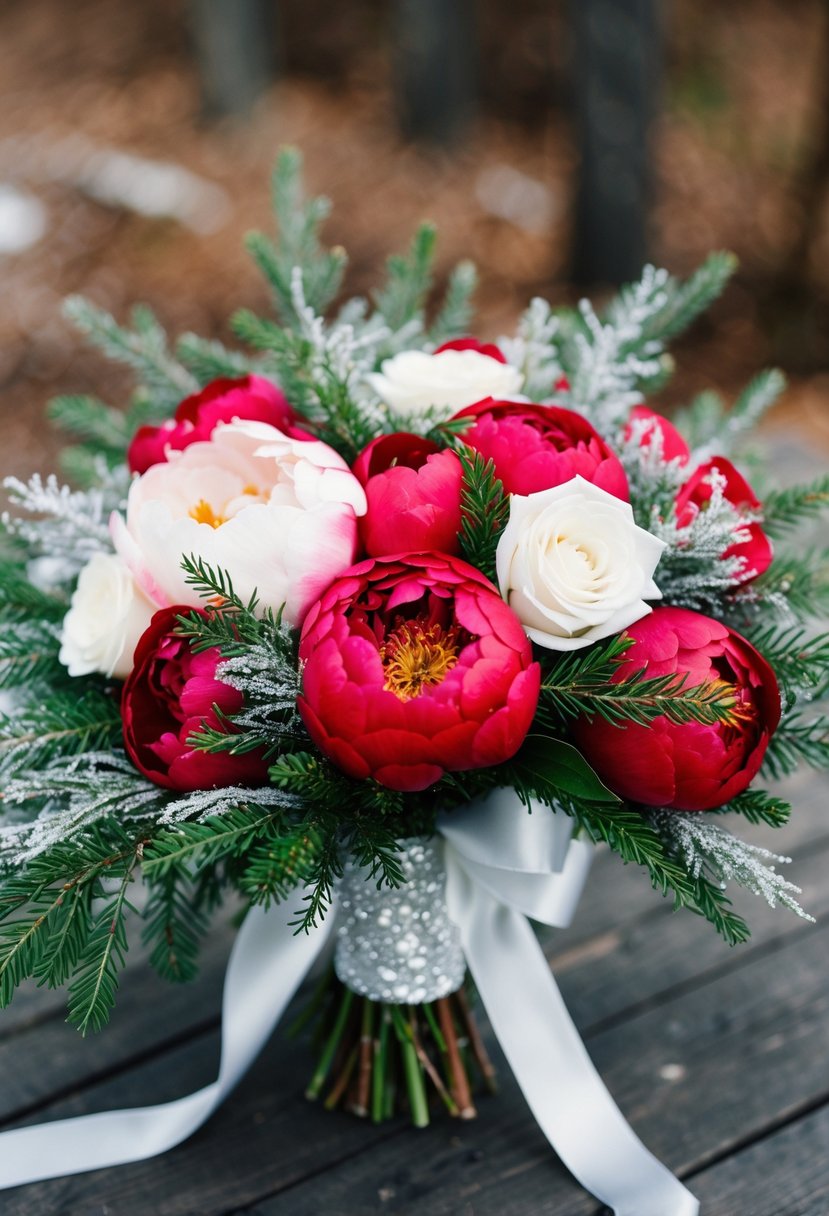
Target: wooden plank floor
719, 1058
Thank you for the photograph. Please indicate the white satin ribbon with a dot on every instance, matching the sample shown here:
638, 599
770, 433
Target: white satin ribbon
267, 965
503, 865
490, 901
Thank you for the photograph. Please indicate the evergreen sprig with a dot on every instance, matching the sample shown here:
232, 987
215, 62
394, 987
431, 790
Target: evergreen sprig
788, 508
581, 684
174, 925
484, 509
297, 244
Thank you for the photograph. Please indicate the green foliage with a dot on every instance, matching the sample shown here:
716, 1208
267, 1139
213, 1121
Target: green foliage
485, 511
800, 738
709, 422
800, 659
174, 925
552, 764
687, 300
455, 315
21, 601
795, 582
581, 684
758, 806
786, 509
63, 723
409, 280
59, 916
143, 347
298, 223
29, 655
207, 359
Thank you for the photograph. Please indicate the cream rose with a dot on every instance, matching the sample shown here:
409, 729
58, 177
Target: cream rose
574, 566
413, 382
107, 616
279, 515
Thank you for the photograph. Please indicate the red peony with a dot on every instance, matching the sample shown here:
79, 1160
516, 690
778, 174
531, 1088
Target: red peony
694, 496
168, 696
690, 767
413, 490
482, 348
414, 667
536, 447
251, 398
674, 446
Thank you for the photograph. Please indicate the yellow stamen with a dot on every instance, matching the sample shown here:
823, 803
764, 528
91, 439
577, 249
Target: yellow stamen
416, 657
203, 513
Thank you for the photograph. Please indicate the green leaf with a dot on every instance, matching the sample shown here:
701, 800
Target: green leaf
560, 766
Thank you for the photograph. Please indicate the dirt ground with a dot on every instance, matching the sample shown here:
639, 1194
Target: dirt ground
734, 153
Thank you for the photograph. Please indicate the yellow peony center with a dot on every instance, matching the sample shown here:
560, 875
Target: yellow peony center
416, 657
203, 513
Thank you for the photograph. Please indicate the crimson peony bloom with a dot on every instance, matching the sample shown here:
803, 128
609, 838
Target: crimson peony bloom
414, 667
251, 398
694, 496
536, 447
413, 490
689, 767
482, 348
674, 446
168, 696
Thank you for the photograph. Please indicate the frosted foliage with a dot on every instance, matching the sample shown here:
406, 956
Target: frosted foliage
615, 355
532, 350
200, 804
71, 795
67, 525
68, 797
694, 573
705, 846
345, 352
270, 686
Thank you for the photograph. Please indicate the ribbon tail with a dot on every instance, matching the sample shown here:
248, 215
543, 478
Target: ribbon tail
545, 1052
267, 965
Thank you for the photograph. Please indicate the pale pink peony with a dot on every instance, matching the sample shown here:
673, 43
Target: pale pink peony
278, 514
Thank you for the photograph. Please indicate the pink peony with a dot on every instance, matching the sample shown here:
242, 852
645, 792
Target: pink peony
694, 495
536, 447
688, 767
413, 490
251, 397
170, 693
415, 667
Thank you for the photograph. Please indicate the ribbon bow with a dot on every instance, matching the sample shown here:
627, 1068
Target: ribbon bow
502, 866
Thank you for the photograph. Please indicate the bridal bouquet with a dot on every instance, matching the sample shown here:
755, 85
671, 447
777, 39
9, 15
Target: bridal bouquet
382, 615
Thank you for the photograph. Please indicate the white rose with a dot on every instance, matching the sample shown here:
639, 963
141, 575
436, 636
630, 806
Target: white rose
574, 566
107, 617
414, 382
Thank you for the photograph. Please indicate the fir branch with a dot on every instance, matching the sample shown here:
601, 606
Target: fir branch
535, 349
91, 419
786, 509
686, 301
800, 659
409, 279
207, 359
142, 347
800, 738
455, 315
710, 852
93, 988
29, 655
173, 927
70, 526
758, 806
63, 723
297, 245
217, 837
485, 511
580, 684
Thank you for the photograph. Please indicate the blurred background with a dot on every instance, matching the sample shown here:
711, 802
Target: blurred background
556, 144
